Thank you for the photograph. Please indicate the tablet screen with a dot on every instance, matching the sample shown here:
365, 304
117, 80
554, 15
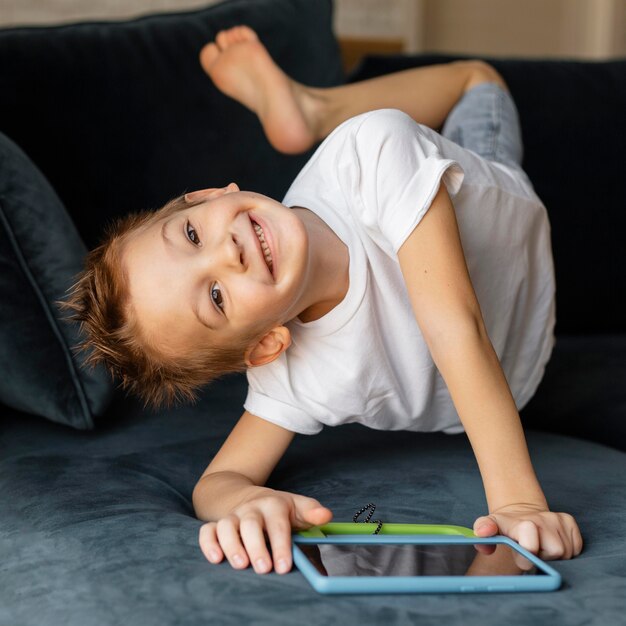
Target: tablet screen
418, 560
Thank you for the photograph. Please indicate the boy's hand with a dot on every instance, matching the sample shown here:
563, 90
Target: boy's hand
544, 533
240, 536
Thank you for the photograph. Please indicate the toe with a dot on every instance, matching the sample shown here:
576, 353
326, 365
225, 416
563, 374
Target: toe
248, 33
222, 39
208, 55
238, 35
231, 35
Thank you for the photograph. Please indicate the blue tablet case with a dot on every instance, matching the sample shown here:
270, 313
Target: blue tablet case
549, 581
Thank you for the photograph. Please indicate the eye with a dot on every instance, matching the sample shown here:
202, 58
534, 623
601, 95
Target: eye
192, 235
216, 296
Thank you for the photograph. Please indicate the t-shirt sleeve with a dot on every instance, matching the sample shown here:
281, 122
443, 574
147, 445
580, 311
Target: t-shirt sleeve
395, 173
278, 412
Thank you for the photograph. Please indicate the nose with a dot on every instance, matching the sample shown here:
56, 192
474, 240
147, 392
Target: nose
230, 254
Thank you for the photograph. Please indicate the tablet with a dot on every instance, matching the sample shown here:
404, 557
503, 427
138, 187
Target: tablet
420, 563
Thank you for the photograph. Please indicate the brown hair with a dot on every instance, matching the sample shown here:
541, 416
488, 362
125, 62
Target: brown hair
99, 301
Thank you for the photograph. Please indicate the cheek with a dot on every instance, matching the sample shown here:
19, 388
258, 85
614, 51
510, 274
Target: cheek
257, 298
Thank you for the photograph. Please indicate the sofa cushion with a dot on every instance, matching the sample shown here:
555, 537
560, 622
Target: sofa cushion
124, 117
574, 132
582, 393
107, 535
40, 254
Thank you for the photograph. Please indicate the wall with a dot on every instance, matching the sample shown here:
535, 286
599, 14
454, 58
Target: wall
41, 12
592, 29
586, 29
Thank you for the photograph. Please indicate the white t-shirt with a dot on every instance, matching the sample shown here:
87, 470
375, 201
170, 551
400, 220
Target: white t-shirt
372, 180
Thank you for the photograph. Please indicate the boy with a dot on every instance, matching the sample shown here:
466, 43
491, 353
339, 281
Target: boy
356, 299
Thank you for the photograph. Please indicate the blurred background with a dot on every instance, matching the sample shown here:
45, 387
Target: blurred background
575, 29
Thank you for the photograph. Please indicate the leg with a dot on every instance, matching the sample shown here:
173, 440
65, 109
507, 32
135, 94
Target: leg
427, 94
486, 121
295, 116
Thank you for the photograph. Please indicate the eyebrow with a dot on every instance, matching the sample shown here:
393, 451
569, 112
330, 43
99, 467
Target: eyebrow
194, 307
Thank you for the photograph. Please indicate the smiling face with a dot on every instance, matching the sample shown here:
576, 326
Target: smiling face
207, 274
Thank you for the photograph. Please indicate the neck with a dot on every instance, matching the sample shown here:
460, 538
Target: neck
329, 263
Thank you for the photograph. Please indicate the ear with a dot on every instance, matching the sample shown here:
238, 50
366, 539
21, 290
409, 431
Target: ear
275, 342
213, 192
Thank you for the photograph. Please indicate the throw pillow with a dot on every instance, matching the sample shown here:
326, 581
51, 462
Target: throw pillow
40, 253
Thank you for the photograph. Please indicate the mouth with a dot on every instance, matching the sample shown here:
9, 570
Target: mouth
266, 253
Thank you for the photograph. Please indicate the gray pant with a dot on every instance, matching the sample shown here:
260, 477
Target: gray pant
485, 120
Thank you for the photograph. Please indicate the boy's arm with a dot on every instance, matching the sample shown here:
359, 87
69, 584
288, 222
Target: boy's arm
230, 496
248, 456
448, 314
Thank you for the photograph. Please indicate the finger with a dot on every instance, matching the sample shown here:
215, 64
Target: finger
209, 544
486, 526
279, 534
551, 545
577, 539
228, 536
572, 532
547, 543
309, 512
566, 542
526, 534
318, 516
253, 538
485, 548
523, 563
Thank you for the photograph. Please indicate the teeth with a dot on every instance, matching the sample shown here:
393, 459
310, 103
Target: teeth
266, 249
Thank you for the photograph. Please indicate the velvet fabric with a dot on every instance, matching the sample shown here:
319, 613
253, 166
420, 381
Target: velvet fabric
574, 134
98, 528
40, 254
125, 118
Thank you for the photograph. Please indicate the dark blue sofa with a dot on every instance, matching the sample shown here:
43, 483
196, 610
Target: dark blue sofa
97, 525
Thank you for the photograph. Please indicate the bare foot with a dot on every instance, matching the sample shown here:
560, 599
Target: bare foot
241, 67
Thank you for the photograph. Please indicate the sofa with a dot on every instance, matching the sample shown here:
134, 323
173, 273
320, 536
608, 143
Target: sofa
97, 526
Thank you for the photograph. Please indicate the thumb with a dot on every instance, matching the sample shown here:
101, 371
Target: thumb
310, 512
486, 526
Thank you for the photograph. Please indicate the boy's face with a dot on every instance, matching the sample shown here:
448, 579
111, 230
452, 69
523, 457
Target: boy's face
200, 274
